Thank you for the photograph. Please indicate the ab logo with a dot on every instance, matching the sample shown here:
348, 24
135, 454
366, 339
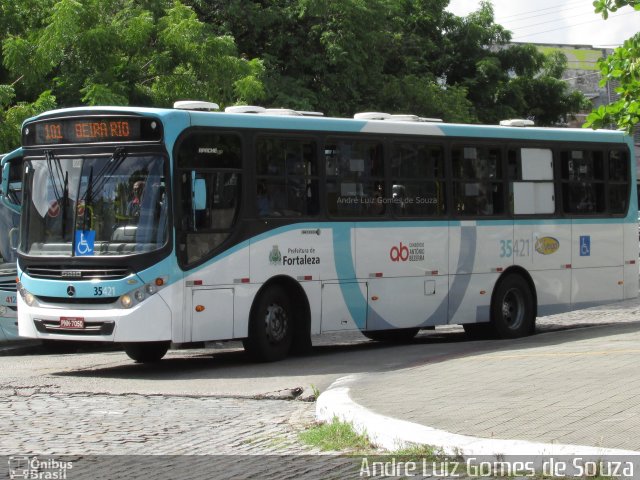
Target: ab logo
399, 254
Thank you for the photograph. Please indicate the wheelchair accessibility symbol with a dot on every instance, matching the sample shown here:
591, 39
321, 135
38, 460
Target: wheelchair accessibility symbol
585, 246
85, 242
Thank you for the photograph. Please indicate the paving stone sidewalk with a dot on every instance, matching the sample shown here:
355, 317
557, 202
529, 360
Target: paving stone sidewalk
576, 387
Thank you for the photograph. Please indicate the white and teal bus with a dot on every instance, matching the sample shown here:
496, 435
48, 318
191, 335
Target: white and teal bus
9, 220
156, 226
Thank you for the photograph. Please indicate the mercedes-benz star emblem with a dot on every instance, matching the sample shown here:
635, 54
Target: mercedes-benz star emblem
71, 290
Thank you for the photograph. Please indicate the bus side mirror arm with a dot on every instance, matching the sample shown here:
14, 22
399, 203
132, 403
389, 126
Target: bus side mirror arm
5, 189
13, 238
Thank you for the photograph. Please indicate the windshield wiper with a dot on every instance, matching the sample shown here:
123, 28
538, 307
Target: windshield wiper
95, 186
89, 198
54, 177
51, 159
64, 206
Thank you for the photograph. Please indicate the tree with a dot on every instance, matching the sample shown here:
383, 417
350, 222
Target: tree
344, 56
335, 56
121, 52
622, 68
400, 56
503, 80
11, 117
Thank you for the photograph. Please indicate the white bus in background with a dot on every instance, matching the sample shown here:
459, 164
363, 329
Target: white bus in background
9, 221
156, 226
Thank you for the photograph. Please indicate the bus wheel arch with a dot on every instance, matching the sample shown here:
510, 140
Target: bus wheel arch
514, 304
279, 321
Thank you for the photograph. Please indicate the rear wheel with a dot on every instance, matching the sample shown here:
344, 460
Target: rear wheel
270, 326
513, 308
397, 335
146, 352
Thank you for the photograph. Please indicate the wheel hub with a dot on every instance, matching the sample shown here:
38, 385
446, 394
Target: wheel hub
276, 323
513, 308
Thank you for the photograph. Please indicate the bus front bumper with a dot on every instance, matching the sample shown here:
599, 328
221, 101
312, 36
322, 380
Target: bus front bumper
148, 321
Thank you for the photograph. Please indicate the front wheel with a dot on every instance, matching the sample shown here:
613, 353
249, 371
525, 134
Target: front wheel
513, 308
270, 326
146, 352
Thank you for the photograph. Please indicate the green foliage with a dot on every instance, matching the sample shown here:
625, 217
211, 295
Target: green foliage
336, 436
98, 94
603, 7
11, 117
622, 67
121, 52
539, 93
507, 81
420, 96
6, 95
335, 56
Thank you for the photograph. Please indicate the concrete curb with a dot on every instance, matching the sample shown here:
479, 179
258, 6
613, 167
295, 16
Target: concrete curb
392, 434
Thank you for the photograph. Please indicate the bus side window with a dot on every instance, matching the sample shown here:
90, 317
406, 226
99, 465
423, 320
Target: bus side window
583, 190
618, 186
209, 192
418, 183
287, 177
478, 189
355, 178
531, 186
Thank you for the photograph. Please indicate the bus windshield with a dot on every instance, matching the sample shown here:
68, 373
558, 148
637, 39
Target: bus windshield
94, 205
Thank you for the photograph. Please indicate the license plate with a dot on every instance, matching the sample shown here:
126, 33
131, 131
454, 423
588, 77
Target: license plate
71, 322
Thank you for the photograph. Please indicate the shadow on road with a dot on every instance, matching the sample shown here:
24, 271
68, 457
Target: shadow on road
355, 356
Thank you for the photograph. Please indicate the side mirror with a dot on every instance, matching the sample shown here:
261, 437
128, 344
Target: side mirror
11, 186
13, 238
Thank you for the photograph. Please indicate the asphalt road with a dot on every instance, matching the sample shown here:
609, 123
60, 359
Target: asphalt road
223, 370
211, 401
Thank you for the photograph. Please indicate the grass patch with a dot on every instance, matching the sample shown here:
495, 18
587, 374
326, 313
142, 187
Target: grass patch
418, 451
337, 436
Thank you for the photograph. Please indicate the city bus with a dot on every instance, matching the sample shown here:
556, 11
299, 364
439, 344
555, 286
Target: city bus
152, 227
9, 220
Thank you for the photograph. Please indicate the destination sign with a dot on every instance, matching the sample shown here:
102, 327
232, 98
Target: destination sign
91, 130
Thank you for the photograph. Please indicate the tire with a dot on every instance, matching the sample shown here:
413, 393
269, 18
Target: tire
397, 335
146, 352
513, 308
270, 326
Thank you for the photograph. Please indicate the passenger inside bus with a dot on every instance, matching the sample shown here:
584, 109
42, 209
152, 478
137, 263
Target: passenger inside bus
262, 202
133, 207
377, 205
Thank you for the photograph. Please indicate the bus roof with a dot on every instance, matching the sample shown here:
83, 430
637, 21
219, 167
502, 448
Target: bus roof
350, 125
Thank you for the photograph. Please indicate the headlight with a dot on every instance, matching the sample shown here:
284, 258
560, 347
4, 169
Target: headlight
139, 295
29, 299
126, 300
27, 296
